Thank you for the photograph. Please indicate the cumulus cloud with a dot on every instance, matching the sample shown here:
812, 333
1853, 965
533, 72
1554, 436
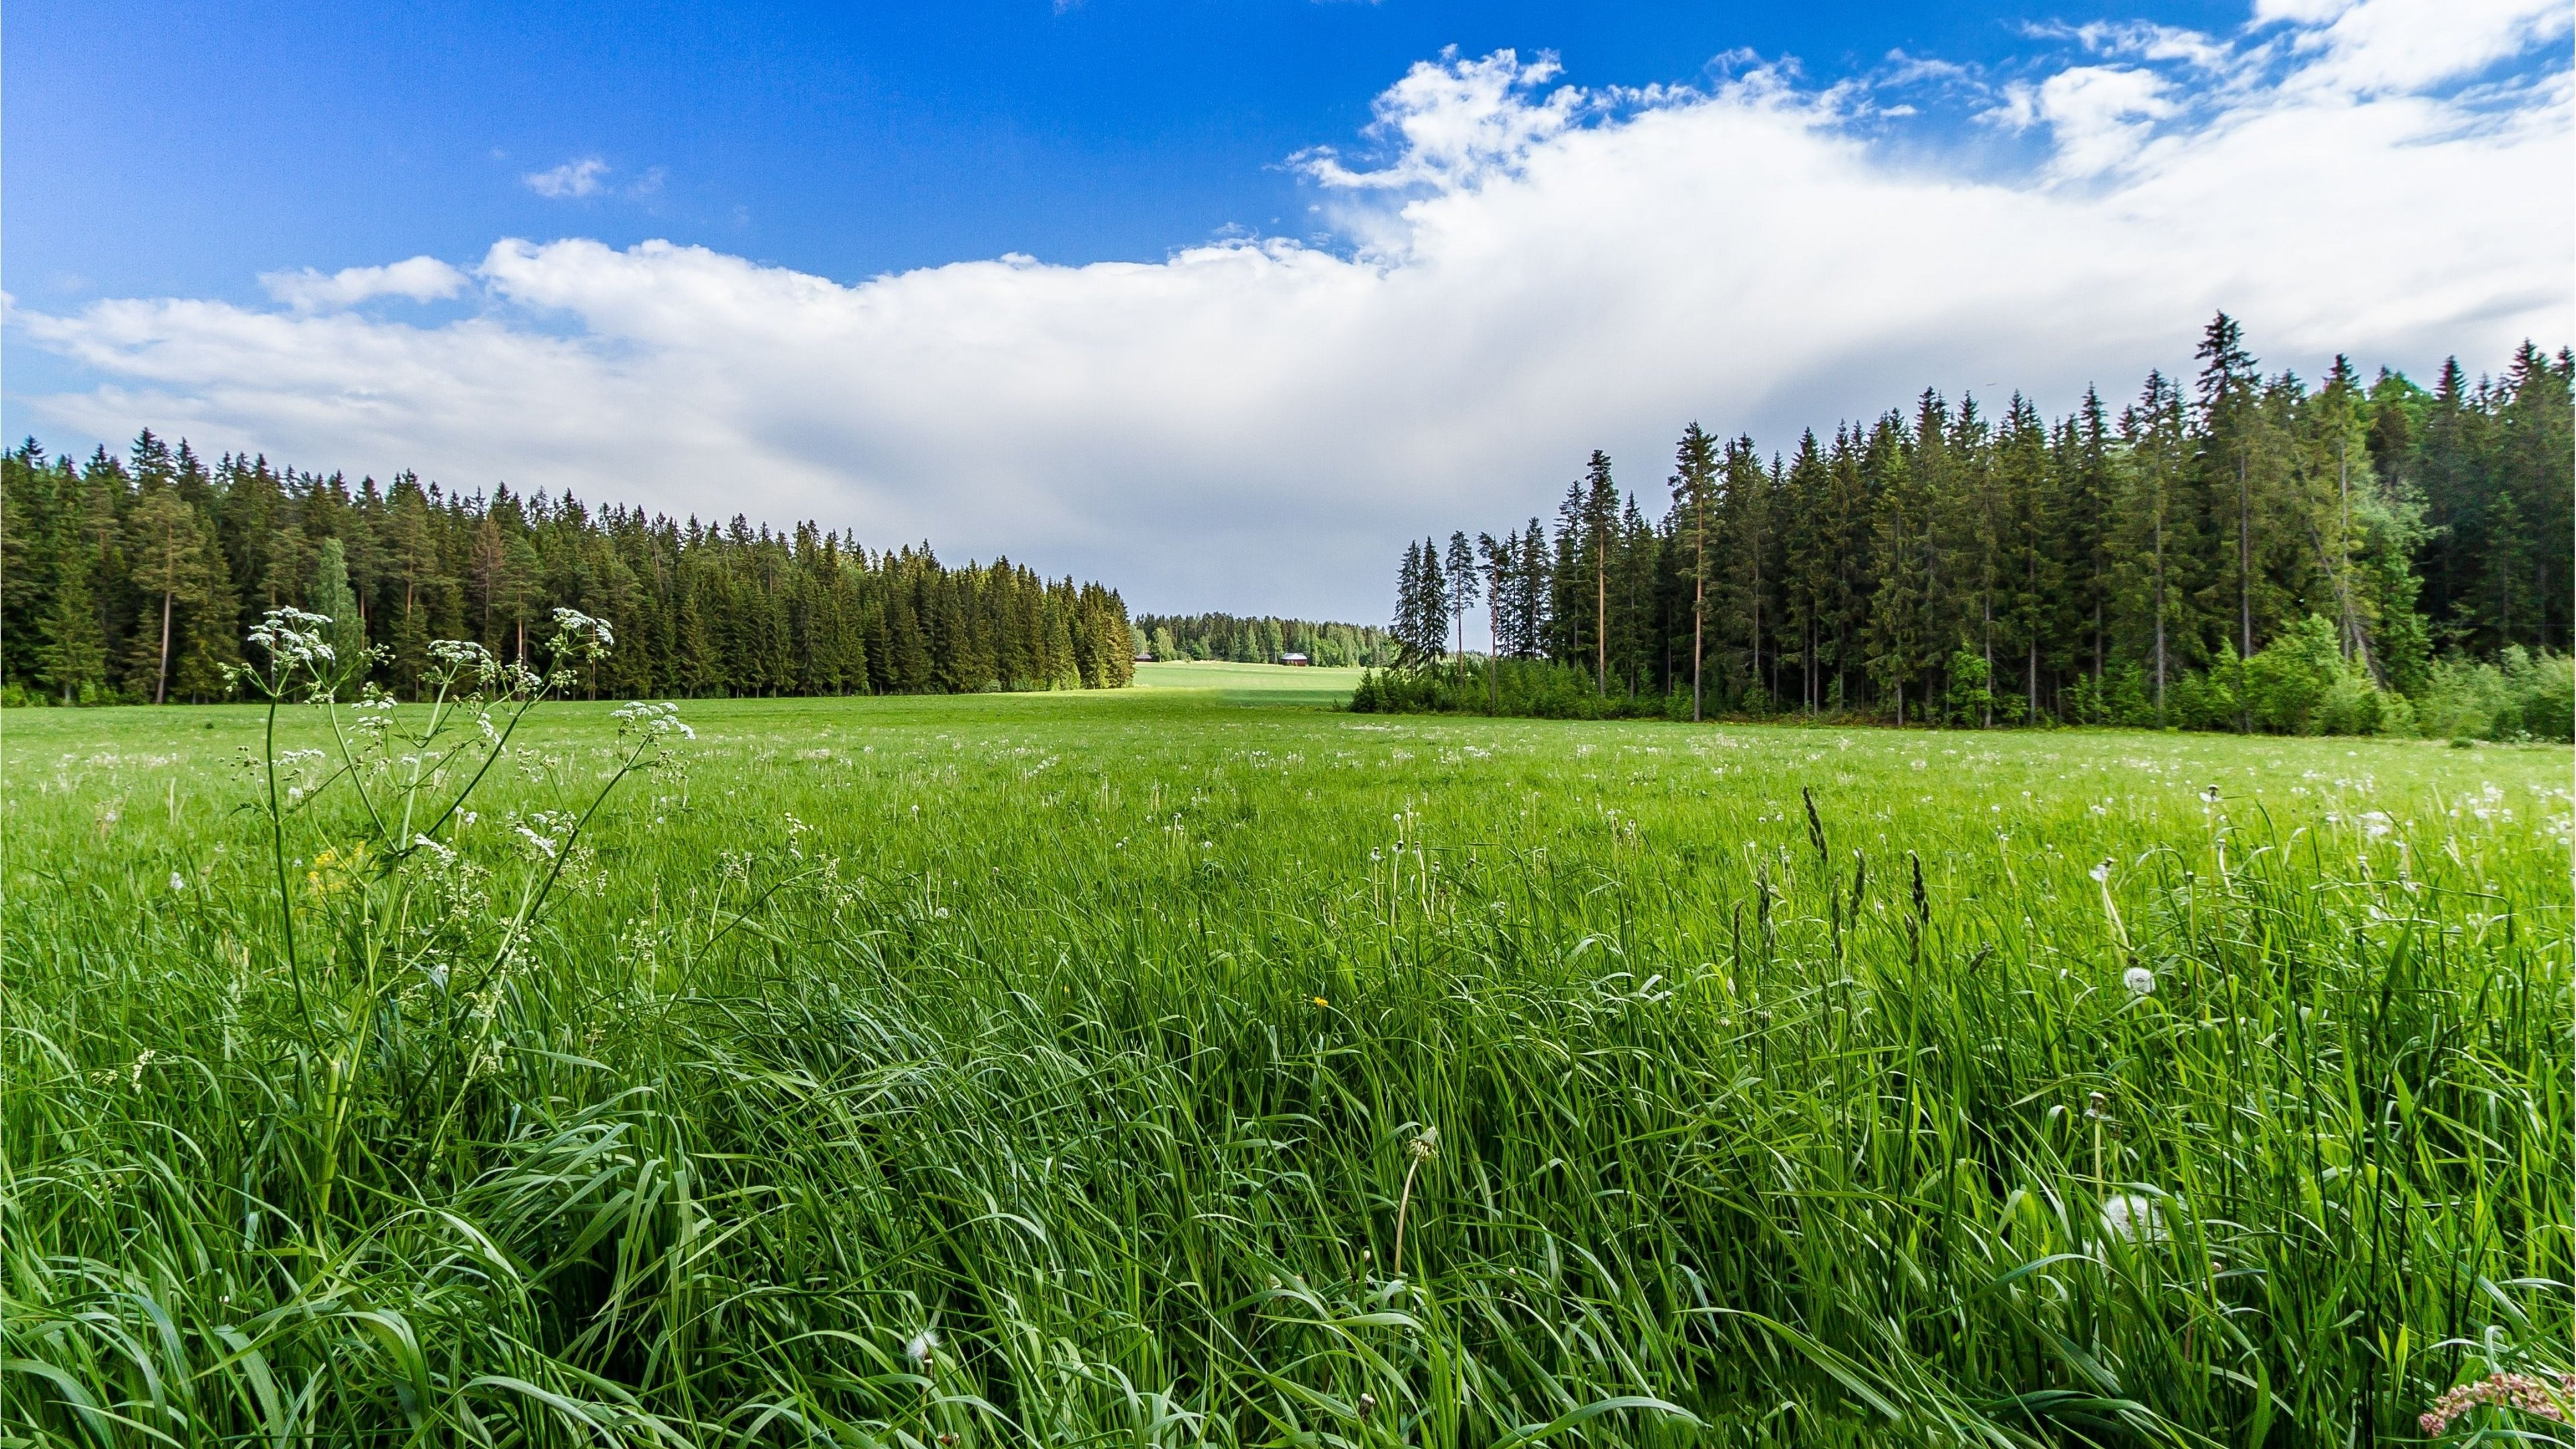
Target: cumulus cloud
2098, 115
1525, 271
421, 279
571, 179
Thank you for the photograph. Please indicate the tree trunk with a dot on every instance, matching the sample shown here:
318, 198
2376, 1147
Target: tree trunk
2244, 560
1699, 611
161, 685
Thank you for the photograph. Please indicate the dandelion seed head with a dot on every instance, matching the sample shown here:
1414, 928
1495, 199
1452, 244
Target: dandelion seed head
2132, 1217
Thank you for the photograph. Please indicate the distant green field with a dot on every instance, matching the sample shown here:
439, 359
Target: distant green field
1073, 1069
1268, 683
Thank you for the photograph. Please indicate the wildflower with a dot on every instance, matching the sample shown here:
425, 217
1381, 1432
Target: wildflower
178, 882
2139, 980
2131, 1217
1426, 1146
464, 659
657, 723
140, 1063
578, 634
1319, 1001
2102, 873
2503, 1390
293, 638
922, 1347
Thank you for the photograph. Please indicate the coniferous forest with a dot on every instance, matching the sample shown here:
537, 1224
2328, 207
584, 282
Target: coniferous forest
2232, 551
135, 580
1262, 639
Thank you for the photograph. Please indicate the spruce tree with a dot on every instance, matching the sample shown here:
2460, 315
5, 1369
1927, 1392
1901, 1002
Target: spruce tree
1460, 585
1694, 487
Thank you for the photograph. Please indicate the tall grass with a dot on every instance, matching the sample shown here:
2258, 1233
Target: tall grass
1025, 1071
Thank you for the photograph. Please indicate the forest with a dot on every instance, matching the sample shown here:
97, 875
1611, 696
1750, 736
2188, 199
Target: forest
135, 580
1262, 639
2238, 550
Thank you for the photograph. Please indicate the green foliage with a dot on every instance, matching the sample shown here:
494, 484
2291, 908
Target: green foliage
136, 579
1057, 1069
2520, 696
2159, 567
1261, 640
1523, 688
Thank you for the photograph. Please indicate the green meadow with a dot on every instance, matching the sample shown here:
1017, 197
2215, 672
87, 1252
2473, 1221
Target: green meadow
1253, 683
1196, 1065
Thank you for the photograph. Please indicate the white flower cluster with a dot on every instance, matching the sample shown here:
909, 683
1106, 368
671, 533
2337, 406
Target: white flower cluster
463, 659
656, 722
293, 638
578, 635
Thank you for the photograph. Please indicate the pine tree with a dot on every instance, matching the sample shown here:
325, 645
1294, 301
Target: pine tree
1694, 487
1599, 515
1459, 583
329, 595
168, 570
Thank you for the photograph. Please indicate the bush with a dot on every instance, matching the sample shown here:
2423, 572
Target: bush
1524, 688
2520, 696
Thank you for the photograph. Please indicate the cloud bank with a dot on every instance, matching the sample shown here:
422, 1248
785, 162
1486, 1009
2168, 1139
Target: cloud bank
1518, 272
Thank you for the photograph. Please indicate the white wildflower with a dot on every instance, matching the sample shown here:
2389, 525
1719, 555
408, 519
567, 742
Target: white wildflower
2139, 980
292, 638
463, 660
922, 1347
178, 882
2102, 872
579, 635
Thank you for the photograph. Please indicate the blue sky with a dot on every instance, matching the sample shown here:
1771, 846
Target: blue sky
1131, 289
181, 149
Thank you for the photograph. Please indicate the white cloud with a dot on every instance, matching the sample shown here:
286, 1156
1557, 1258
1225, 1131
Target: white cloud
1259, 424
2389, 47
571, 179
2100, 115
1458, 122
422, 279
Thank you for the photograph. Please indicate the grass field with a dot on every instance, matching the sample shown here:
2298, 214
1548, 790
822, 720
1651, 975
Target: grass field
1170, 1068
1253, 683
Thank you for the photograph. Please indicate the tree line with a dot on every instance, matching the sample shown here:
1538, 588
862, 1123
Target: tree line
1261, 640
135, 579
1941, 564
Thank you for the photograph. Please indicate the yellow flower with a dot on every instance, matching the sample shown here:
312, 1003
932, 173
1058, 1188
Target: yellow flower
334, 871
1319, 1001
